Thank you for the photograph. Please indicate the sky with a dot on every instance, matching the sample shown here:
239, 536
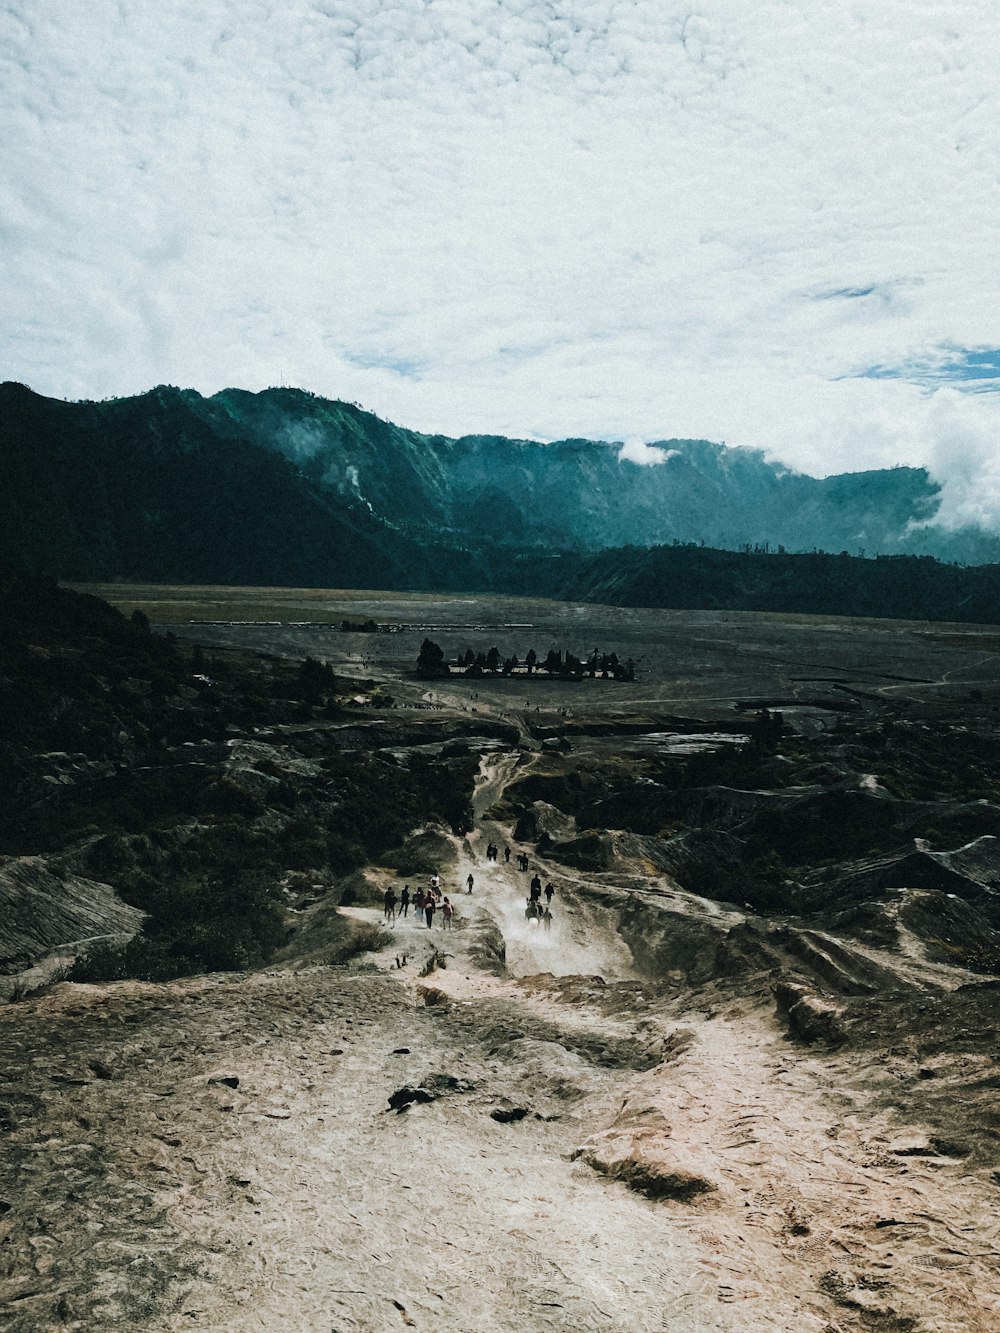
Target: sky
772, 224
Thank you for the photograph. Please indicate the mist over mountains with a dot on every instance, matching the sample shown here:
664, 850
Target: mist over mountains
284, 487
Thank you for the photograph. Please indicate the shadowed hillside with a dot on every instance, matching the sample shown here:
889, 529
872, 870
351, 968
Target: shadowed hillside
150, 487
134, 767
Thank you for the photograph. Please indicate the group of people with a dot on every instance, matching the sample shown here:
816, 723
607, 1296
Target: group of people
535, 890
533, 914
533, 910
425, 903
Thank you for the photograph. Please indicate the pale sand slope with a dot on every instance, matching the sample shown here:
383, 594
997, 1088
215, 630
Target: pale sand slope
145, 1195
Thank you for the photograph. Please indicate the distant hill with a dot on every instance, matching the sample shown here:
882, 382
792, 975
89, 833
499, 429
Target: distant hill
286, 488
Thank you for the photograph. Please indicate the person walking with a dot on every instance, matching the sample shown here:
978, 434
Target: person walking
469, 882
429, 906
390, 905
506, 856
549, 891
447, 912
404, 901
418, 902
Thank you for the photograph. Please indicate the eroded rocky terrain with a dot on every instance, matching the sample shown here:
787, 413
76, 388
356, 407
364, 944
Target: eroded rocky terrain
746, 1080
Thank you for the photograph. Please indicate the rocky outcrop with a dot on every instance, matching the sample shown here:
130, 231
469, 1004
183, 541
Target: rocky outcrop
679, 942
542, 820
425, 853
978, 860
639, 1149
950, 929
486, 944
970, 872
967, 872
42, 911
666, 944
810, 1016
833, 963
592, 850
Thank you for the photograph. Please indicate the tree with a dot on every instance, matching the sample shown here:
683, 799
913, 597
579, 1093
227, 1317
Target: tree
493, 659
315, 679
430, 660
530, 658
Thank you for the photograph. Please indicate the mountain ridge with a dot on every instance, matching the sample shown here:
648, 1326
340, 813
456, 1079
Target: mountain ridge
593, 497
286, 488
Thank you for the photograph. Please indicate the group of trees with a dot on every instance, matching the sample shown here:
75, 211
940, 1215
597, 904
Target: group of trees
902, 587
431, 662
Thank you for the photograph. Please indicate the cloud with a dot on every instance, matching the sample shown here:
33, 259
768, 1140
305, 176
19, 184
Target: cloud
965, 461
771, 226
646, 455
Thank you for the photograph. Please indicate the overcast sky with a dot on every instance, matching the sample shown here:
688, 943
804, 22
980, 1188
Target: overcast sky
771, 224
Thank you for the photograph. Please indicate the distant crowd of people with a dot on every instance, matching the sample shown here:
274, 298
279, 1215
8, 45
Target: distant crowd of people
427, 902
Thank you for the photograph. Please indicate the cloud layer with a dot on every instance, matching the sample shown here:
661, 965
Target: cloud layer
614, 218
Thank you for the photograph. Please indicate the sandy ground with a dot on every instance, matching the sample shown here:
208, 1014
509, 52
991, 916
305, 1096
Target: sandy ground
219, 1153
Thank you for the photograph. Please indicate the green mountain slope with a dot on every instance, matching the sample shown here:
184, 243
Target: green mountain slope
286, 488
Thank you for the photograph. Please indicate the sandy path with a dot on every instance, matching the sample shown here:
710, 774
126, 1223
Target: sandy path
819, 1192
579, 941
295, 1200
149, 1196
